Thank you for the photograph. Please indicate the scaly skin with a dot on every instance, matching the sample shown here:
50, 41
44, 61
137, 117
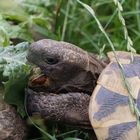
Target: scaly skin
65, 108
11, 125
72, 74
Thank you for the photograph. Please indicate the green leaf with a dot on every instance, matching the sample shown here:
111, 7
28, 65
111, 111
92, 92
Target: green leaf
4, 38
14, 88
14, 73
13, 56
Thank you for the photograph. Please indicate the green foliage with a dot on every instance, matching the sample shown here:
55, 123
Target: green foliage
13, 74
31, 20
4, 39
27, 20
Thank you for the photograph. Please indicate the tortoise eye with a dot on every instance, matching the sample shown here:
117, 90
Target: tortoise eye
51, 60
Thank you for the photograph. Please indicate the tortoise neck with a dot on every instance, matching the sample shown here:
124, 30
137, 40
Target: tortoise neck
96, 65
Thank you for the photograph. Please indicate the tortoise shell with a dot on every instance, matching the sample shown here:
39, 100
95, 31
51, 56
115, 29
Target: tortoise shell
109, 110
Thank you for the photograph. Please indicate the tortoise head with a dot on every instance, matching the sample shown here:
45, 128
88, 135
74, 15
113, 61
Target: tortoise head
47, 52
66, 66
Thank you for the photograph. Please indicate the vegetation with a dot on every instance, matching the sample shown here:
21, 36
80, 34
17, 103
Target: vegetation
67, 20
31, 20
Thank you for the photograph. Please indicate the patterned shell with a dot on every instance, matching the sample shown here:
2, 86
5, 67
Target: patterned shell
109, 110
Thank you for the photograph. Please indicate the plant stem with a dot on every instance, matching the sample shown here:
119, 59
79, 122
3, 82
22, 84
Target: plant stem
65, 21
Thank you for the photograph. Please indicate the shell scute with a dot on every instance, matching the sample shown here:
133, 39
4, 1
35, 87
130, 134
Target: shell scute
109, 110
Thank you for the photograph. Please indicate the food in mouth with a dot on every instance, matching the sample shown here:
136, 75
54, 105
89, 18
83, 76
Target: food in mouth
37, 78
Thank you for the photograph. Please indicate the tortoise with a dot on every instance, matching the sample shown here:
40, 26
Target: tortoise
76, 87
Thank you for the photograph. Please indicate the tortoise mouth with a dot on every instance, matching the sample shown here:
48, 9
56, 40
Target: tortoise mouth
38, 79
40, 82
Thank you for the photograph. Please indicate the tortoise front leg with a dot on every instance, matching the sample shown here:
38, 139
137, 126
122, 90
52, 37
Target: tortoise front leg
70, 108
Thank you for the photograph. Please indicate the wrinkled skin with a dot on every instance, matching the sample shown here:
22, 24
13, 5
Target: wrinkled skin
67, 108
11, 125
72, 75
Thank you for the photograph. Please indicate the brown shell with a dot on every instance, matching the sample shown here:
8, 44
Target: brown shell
11, 125
109, 110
